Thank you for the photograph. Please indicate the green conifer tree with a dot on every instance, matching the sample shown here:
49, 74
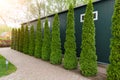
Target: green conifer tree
15, 39
88, 58
21, 38
70, 59
12, 39
18, 39
38, 41
113, 71
46, 50
31, 41
56, 55
26, 40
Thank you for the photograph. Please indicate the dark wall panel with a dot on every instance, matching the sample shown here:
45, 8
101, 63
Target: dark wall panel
103, 28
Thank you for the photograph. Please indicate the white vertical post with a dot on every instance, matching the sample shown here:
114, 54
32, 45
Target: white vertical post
6, 64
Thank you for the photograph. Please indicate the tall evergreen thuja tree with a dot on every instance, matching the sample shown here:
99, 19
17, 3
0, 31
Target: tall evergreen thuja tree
38, 41
26, 40
56, 56
88, 58
21, 38
70, 59
46, 50
31, 41
113, 71
18, 39
15, 39
12, 39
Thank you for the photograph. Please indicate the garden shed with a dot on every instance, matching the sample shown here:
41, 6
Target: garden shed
103, 10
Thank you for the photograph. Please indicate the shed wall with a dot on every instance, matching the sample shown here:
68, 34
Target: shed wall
103, 28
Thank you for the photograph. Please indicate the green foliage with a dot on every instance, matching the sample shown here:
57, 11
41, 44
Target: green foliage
15, 42
12, 39
21, 43
56, 56
31, 41
20, 40
38, 41
18, 47
70, 59
88, 58
46, 50
26, 41
113, 71
17, 39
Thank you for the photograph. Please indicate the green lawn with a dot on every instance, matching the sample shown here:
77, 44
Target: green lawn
3, 70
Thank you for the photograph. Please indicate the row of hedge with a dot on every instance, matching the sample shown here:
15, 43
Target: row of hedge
49, 47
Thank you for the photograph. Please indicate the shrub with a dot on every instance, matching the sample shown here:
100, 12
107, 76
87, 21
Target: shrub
70, 59
21, 39
15, 42
26, 40
18, 48
12, 39
56, 56
113, 71
46, 50
88, 58
32, 41
38, 41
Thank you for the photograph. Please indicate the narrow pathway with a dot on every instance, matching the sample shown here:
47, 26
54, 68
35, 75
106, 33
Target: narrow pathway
30, 68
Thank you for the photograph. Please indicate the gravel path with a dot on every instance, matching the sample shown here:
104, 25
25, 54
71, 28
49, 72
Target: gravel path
30, 68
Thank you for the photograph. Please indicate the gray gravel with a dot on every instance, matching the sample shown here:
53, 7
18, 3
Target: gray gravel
30, 68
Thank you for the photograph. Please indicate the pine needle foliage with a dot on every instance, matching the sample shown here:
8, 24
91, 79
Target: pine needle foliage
38, 41
15, 39
46, 49
21, 39
56, 55
70, 59
26, 40
18, 48
88, 58
31, 41
12, 39
113, 71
